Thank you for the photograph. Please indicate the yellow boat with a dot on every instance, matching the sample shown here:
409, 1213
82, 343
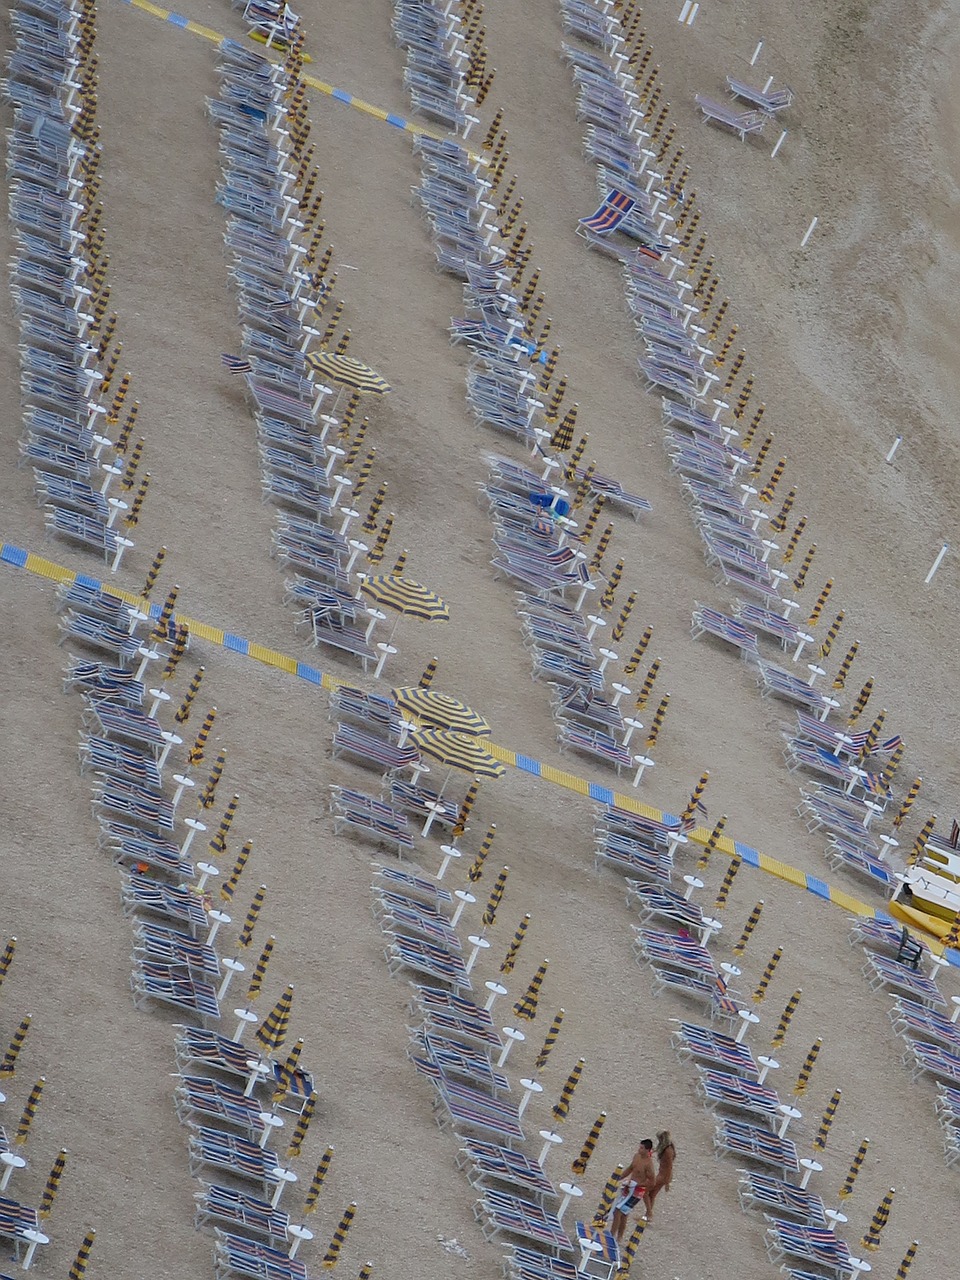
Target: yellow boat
935, 925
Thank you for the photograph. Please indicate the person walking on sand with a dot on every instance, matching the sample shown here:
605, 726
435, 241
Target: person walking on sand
666, 1154
639, 1175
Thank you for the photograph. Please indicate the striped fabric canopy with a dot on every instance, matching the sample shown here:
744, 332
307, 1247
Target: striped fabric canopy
349, 372
406, 596
441, 711
457, 751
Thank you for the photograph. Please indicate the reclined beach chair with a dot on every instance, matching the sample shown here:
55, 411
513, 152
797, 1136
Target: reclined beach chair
817, 1245
241, 1211
486, 1163
132, 845
724, 1090
502, 1214
883, 972
747, 1142
376, 819
916, 1021
236, 1255
593, 742
146, 895
456, 1016
708, 621
762, 100
782, 1199
703, 1045
176, 947
212, 1148
632, 858
213, 1102
155, 982
740, 122
422, 957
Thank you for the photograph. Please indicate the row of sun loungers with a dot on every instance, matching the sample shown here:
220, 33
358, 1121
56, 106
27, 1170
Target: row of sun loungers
84, 459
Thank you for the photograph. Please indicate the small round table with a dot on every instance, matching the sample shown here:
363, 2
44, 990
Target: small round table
464, 899
550, 1139
767, 1065
495, 989
748, 1019
570, 1192
449, 852
245, 1018
530, 1087
206, 869
513, 1036
299, 1235
283, 1178
479, 944
789, 1113
270, 1122
259, 1070
809, 1167
692, 882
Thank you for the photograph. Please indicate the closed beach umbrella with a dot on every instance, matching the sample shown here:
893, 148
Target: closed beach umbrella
318, 1179
550, 1041
510, 959
53, 1185
850, 1179
348, 372
273, 1032
441, 711
526, 1006
561, 1108
871, 1239
79, 1268
7, 958
579, 1166
496, 893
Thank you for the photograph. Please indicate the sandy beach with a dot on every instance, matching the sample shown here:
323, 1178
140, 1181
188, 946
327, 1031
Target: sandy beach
852, 344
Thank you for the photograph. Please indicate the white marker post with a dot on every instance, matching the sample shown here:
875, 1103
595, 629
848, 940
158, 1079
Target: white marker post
684, 12
693, 15
893, 448
809, 232
936, 564
778, 144
756, 53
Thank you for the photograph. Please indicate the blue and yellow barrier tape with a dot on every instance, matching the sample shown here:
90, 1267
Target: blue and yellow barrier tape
18, 558
331, 91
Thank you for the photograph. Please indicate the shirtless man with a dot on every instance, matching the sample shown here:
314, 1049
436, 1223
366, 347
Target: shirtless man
639, 1175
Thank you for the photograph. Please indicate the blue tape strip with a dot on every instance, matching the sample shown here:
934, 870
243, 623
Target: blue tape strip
819, 887
92, 584
341, 95
749, 856
236, 643
528, 764
603, 794
310, 674
177, 19
397, 121
13, 555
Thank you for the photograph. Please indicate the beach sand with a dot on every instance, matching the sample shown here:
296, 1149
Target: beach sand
852, 344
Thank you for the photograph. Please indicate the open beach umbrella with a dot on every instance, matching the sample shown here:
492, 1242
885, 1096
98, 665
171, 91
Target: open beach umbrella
441, 711
457, 751
348, 372
405, 596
